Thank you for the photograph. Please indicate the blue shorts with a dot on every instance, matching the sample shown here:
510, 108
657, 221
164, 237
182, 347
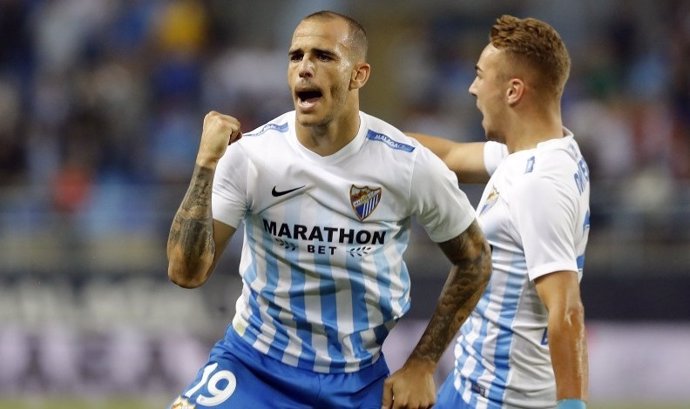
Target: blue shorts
448, 397
238, 376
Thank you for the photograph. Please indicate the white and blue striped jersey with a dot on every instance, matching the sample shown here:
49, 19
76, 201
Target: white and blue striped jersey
535, 214
324, 279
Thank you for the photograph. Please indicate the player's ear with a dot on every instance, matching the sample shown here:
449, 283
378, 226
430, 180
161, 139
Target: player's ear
360, 75
515, 91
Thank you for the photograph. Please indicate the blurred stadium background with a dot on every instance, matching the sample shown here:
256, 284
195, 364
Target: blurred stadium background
101, 104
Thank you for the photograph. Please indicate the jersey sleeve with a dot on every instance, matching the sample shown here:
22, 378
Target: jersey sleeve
229, 199
544, 214
440, 206
494, 153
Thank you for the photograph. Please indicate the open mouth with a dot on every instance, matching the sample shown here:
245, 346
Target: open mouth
308, 98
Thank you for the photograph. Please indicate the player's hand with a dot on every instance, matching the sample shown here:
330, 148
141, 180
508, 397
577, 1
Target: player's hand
219, 131
410, 387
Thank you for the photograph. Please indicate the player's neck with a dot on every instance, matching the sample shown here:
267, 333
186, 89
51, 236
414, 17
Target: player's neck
527, 131
329, 138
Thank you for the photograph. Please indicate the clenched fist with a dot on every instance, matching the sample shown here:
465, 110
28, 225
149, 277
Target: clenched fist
219, 131
411, 387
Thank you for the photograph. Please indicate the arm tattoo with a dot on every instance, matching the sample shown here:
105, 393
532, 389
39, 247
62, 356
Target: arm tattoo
191, 232
471, 258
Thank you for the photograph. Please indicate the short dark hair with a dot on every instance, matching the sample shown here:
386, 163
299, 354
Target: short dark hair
358, 35
537, 44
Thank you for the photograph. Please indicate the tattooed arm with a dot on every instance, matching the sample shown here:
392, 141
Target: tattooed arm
196, 240
413, 384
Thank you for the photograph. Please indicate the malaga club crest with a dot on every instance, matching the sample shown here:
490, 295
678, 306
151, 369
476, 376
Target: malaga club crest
364, 200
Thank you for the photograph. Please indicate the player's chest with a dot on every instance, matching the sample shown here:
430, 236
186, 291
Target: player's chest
494, 210
359, 193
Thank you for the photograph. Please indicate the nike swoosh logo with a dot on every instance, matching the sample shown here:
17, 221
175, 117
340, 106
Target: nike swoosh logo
278, 193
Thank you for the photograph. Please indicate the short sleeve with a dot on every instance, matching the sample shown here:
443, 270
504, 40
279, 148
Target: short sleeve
441, 207
544, 214
229, 200
494, 153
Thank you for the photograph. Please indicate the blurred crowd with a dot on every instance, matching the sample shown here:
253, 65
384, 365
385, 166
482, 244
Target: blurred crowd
100, 93
110, 93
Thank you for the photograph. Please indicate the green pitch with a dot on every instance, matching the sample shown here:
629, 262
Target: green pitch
76, 403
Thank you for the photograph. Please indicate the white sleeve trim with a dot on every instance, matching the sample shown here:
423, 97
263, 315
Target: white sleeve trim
548, 268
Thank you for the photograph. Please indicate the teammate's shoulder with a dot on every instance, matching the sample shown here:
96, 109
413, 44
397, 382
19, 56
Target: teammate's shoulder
558, 152
551, 165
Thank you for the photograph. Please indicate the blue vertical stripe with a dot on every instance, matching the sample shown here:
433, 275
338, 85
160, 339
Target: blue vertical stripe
277, 348
249, 276
504, 342
329, 315
360, 315
328, 300
298, 307
306, 355
478, 343
401, 241
384, 285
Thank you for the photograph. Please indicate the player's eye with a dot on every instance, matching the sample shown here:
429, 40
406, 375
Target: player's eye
324, 56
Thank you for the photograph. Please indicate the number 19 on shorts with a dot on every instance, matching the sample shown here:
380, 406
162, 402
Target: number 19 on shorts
220, 386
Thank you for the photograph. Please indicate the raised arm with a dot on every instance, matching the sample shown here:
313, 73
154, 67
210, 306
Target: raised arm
196, 241
413, 384
466, 159
560, 293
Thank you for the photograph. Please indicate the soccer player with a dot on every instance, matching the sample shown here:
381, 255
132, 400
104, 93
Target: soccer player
524, 345
326, 194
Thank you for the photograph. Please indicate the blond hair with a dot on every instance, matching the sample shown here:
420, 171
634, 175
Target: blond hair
536, 44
